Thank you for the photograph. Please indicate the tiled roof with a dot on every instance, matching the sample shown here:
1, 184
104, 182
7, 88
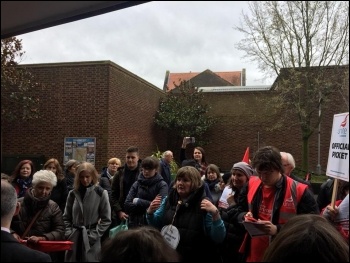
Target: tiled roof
208, 79
233, 77
178, 77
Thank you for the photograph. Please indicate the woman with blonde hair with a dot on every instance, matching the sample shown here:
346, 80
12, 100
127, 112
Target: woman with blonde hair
87, 215
108, 172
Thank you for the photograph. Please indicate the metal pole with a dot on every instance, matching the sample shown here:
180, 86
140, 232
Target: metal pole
318, 167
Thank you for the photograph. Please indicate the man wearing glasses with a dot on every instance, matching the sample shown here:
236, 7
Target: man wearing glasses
271, 199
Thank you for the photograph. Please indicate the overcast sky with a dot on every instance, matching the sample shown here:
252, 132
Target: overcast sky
149, 39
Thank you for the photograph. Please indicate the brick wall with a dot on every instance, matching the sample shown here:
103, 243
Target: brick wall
103, 100
241, 125
89, 99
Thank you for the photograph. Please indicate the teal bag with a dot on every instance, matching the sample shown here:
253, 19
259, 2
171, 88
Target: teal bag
122, 227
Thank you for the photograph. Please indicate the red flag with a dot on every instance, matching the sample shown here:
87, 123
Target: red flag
246, 156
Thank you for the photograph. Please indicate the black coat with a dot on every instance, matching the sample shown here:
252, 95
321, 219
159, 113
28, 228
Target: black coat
121, 184
165, 171
59, 193
13, 251
106, 182
194, 244
145, 189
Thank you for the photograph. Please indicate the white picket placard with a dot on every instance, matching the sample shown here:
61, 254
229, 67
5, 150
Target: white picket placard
338, 157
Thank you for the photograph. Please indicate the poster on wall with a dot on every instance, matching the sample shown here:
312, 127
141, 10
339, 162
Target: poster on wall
81, 149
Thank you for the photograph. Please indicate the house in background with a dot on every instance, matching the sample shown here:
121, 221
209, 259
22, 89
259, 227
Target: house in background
206, 78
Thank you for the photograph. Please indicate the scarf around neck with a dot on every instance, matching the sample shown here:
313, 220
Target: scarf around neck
23, 184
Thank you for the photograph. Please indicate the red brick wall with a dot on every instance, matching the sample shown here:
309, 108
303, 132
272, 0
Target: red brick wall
131, 112
240, 126
89, 99
103, 100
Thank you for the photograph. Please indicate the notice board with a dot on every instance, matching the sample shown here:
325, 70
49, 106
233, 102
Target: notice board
82, 149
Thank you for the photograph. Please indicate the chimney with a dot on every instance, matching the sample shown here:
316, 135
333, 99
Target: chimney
243, 77
165, 86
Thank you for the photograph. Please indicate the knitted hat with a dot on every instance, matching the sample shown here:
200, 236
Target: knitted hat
244, 168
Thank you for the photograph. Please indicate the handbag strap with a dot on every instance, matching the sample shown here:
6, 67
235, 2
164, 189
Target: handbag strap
31, 224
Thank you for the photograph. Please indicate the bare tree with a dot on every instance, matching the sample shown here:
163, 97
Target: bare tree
302, 40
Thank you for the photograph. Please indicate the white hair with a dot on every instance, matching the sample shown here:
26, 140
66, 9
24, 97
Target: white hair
44, 176
166, 153
289, 158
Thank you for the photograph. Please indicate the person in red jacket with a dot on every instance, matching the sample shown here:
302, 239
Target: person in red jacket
271, 199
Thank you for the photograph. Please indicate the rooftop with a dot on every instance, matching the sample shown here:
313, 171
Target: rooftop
235, 88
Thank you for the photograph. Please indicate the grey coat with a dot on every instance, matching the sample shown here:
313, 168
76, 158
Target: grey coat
86, 220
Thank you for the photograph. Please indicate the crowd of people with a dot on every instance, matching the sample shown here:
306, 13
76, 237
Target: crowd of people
192, 215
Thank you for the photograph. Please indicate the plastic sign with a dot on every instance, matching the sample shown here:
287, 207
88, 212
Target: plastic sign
338, 157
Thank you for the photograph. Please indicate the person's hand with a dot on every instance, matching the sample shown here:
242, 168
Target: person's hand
154, 204
185, 141
267, 227
122, 216
35, 239
208, 206
248, 216
332, 212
